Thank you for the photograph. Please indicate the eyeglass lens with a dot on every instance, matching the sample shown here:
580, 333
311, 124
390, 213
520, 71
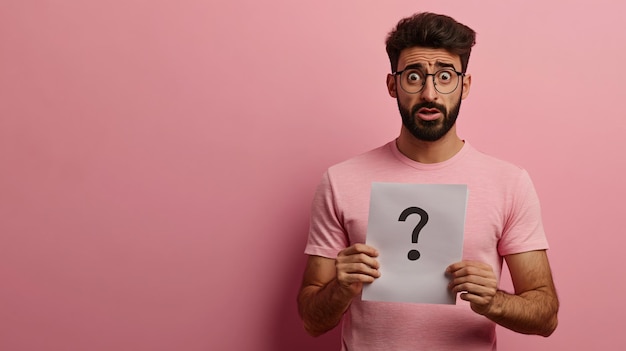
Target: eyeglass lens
414, 80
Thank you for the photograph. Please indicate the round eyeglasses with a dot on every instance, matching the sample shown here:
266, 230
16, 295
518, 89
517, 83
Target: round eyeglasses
413, 80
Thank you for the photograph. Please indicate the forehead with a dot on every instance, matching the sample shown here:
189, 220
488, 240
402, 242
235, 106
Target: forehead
427, 57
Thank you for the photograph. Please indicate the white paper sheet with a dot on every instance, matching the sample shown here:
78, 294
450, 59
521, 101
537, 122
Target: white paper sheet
439, 236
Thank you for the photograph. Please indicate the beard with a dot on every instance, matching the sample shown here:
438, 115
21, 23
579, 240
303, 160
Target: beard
429, 130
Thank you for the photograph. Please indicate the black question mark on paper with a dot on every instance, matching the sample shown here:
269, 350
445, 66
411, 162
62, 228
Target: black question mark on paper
414, 254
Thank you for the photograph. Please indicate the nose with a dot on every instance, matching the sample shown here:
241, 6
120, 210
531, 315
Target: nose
429, 93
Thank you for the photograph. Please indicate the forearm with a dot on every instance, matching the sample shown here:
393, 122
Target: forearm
321, 308
531, 312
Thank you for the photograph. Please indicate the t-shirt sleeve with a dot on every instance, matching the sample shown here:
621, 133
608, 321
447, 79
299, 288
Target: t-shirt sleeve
326, 233
523, 230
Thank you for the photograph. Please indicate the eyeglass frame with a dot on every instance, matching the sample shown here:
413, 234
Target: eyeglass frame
458, 74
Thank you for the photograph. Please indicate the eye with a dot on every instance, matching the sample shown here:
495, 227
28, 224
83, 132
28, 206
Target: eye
445, 76
413, 77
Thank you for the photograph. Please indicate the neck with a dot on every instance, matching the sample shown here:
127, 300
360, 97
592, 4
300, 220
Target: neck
429, 151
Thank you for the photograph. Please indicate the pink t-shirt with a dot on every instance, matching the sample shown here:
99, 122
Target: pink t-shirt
503, 217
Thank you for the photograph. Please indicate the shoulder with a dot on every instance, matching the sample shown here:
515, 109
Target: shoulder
365, 162
354, 175
494, 176
492, 165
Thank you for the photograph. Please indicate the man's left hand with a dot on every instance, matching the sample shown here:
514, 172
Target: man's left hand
476, 282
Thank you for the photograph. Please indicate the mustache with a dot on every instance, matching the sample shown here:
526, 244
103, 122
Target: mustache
429, 104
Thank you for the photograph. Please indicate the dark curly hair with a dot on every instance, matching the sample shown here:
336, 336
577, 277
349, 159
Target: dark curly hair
430, 30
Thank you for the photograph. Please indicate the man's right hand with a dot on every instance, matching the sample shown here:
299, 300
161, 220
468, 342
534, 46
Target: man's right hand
356, 265
329, 285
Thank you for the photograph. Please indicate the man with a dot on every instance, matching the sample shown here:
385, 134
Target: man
429, 54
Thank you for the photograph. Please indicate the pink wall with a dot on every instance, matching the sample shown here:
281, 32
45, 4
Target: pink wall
159, 157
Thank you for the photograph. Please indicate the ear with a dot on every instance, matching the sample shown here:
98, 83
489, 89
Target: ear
467, 82
391, 85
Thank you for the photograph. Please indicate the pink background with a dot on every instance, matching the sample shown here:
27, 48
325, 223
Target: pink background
159, 158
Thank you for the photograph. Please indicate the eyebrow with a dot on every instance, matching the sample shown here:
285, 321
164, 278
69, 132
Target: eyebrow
438, 64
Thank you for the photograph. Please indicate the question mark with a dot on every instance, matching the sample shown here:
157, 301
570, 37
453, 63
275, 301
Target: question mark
414, 254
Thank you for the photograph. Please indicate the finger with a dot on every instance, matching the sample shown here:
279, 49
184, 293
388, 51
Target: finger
469, 271
352, 278
474, 289
359, 258
476, 299
489, 281
359, 248
467, 264
479, 304
358, 268
359, 253
467, 282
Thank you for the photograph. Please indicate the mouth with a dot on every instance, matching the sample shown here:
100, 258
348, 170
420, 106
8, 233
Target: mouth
429, 114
